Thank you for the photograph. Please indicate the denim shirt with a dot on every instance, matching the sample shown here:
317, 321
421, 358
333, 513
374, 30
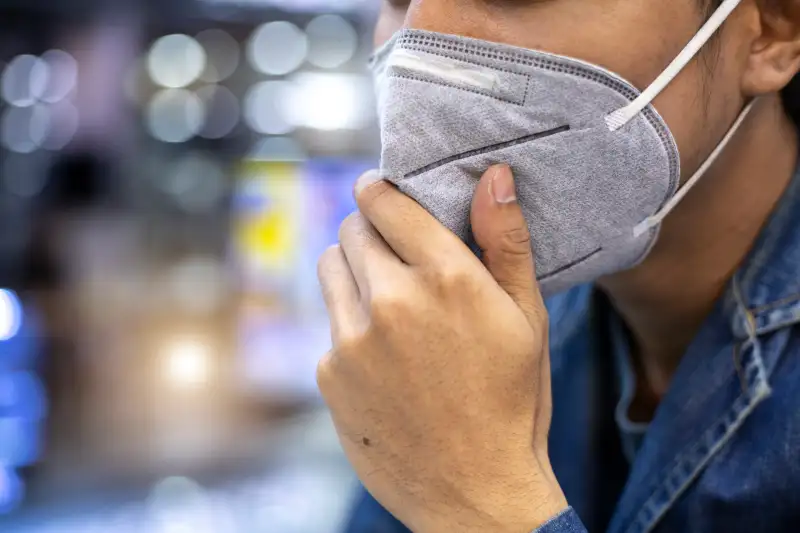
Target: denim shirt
722, 453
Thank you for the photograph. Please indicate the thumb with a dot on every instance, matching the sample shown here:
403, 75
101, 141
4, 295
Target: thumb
502, 234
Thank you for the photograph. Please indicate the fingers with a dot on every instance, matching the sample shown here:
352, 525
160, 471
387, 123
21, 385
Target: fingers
501, 232
341, 295
402, 222
370, 259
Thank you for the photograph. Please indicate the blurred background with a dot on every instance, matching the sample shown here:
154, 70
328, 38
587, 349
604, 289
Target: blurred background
170, 170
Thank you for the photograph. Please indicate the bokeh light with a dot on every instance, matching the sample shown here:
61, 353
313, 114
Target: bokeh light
196, 183
277, 48
11, 489
222, 53
332, 41
10, 314
175, 61
24, 80
175, 115
329, 102
62, 125
221, 111
19, 441
62, 75
25, 129
187, 363
22, 395
265, 107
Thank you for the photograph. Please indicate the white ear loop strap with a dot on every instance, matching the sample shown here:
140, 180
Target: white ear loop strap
659, 217
622, 116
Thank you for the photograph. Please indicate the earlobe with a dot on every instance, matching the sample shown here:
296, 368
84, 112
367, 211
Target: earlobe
774, 58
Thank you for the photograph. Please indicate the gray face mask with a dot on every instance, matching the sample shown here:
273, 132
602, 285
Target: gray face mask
596, 167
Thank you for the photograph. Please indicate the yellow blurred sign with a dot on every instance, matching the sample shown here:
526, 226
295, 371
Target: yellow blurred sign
267, 229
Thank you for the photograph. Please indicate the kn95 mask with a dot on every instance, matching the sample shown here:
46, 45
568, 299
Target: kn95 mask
596, 167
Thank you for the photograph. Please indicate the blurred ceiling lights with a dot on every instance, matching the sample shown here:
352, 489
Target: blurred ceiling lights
221, 111
62, 75
175, 61
329, 102
175, 115
277, 48
10, 315
25, 80
264, 106
222, 52
38, 91
320, 101
332, 41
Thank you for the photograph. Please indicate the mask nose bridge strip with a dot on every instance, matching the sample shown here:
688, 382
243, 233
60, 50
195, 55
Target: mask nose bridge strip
622, 116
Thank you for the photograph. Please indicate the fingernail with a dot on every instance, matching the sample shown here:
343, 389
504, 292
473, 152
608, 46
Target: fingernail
502, 185
367, 179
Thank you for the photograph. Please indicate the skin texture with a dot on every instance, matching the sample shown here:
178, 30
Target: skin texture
438, 380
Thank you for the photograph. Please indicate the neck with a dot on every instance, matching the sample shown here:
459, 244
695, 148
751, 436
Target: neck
665, 300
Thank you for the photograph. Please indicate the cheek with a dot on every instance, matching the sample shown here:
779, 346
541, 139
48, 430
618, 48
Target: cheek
682, 105
699, 106
389, 22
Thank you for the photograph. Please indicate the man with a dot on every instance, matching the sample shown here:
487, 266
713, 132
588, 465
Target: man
674, 403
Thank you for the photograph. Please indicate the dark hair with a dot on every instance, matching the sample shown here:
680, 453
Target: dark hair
790, 94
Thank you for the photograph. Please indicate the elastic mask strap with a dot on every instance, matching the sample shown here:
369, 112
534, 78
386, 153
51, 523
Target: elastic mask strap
659, 217
622, 116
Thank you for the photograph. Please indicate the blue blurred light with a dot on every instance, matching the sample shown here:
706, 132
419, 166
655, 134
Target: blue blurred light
19, 441
11, 490
10, 315
22, 396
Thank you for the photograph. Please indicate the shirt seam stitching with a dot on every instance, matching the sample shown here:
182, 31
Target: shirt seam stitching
786, 301
752, 400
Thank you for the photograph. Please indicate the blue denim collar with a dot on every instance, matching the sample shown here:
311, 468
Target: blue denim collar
724, 375
764, 295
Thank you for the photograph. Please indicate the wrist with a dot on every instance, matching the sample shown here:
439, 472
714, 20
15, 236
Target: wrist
501, 506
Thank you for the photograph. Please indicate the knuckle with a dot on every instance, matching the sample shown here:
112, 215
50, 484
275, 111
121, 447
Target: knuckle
387, 309
325, 373
356, 229
349, 346
452, 278
372, 194
350, 225
516, 242
328, 259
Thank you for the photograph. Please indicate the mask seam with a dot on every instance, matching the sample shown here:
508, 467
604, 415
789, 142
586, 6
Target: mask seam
571, 265
556, 64
454, 86
525, 139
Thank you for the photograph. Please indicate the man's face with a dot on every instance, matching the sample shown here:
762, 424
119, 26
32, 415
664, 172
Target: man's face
636, 39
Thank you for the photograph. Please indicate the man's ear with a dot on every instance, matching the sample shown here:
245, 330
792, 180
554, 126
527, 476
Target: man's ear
775, 54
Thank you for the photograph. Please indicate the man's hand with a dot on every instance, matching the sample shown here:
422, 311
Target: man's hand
439, 377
